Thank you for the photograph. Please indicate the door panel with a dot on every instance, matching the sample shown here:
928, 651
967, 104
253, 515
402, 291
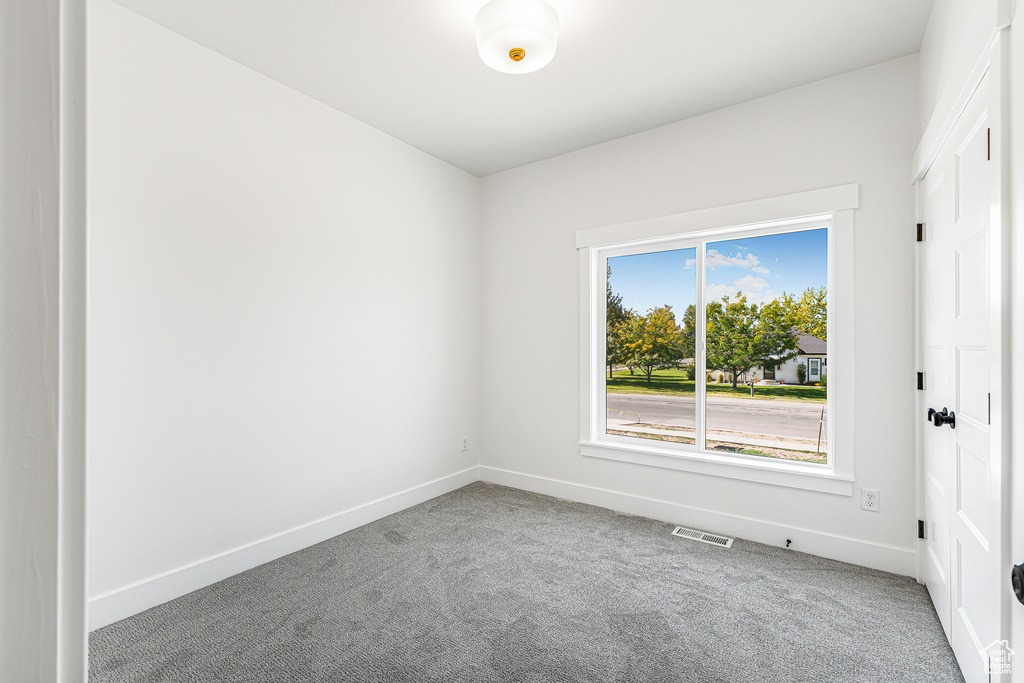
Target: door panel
970, 599
937, 288
972, 163
961, 466
971, 293
974, 526
972, 501
972, 384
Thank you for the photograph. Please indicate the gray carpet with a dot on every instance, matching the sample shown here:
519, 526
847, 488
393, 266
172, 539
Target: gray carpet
489, 583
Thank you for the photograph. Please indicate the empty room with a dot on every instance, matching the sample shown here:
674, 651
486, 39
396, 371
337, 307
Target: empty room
511, 340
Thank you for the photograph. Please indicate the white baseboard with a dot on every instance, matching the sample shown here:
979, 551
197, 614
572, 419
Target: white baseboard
116, 605
876, 556
119, 604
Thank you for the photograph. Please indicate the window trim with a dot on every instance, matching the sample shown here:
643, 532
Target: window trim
767, 216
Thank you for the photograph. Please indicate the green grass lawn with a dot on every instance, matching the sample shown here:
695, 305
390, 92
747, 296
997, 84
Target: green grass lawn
674, 382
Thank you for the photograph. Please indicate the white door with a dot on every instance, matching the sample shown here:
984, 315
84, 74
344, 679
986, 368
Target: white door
936, 444
960, 332
814, 370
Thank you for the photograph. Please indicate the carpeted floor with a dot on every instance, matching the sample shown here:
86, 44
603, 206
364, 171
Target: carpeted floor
489, 583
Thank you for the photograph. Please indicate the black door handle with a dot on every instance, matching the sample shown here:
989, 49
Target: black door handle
942, 418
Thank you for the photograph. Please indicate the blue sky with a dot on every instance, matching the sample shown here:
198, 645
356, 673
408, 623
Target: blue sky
760, 267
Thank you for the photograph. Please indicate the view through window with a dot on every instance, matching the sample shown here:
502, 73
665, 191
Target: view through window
758, 385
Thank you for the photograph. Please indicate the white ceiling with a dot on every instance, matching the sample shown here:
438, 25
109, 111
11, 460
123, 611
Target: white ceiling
410, 67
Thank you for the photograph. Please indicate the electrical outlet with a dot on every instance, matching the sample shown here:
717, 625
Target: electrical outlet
465, 444
869, 500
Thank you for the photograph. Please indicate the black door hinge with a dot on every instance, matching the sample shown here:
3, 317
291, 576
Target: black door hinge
920, 381
920, 528
920, 232
990, 144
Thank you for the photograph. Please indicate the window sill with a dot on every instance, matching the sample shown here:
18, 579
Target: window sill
775, 473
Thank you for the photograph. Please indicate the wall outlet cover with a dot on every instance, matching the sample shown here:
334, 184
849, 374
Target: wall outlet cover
869, 500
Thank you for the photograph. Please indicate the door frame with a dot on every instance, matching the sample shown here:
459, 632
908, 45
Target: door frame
993, 61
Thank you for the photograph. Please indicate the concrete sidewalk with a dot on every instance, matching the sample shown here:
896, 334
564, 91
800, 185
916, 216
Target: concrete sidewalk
726, 436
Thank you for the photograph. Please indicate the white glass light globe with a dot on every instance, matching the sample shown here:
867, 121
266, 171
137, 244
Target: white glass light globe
504, 26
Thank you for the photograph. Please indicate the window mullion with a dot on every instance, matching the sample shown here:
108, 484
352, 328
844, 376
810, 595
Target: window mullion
699, 352
599, 418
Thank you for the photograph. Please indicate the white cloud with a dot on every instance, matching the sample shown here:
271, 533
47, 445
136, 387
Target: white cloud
716, 259
716, 292
754, 288
750, 283
689, 263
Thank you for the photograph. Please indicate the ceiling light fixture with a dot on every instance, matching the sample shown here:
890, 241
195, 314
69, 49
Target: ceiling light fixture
516, 36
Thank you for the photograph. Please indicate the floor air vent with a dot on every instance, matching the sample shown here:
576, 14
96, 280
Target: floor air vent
720, 541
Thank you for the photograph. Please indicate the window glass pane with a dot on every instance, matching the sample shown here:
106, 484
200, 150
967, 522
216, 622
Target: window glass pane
767, 360
649, 366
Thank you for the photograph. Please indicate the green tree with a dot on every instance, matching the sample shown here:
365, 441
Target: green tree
741, 336
615, 349
615, 318
653, 341
689, 331
730, 335
776, 330
809, 311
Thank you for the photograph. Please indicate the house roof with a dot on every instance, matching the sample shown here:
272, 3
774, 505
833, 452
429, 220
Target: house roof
810, 345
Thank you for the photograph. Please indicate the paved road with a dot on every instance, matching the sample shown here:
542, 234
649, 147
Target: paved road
784, 418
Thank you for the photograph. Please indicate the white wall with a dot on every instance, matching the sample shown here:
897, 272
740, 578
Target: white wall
42, 303
860, 127
284, 315
29, 249
957, 32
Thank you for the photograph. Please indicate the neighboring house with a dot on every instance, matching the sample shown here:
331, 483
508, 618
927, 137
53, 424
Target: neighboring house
811, 351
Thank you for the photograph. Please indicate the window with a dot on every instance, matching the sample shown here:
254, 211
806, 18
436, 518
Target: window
763, 302
705, 350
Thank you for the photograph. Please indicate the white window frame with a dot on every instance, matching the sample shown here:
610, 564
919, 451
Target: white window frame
831, 208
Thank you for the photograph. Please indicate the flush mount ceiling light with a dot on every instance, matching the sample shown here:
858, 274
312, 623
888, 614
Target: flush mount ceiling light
516, 36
